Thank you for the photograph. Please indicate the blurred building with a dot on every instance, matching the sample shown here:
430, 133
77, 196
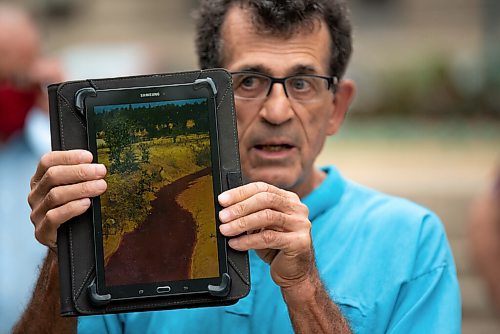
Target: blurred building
405, 50
164, 28
387, 31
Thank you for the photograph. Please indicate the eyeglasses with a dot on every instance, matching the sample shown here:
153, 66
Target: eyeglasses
249, 85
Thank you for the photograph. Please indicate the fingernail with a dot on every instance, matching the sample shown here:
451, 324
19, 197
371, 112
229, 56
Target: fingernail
223, 198
100, 185
224, 215
233, 243
84, 202
100, 170
85, 156
224, 228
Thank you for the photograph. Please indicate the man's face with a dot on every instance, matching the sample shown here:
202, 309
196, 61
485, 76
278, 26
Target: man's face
279, 138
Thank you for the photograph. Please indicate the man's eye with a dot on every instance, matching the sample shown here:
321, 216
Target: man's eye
300, 84
249, 82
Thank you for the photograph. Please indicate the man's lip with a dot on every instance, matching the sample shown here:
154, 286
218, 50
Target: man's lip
265, 146
275, 142
273, 151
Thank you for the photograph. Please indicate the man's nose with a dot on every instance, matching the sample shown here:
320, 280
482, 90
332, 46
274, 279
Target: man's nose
277, 108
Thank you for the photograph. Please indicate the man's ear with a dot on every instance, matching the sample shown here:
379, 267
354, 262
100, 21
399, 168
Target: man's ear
346, 90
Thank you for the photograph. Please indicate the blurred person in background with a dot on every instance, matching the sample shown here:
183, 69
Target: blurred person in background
484, 235
24, 138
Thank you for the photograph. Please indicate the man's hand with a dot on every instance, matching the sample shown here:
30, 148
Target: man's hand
275, 223
61, 189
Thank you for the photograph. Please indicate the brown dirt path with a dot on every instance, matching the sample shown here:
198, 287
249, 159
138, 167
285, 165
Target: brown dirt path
162, 247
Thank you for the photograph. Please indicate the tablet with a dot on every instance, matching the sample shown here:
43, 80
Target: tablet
156, 226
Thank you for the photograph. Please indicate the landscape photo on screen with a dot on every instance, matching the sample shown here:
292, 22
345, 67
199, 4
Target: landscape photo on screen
158, 216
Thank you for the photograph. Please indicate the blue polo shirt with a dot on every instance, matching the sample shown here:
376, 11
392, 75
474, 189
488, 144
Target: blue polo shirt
385, 262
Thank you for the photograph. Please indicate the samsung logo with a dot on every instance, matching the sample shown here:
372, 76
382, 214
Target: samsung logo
150, 94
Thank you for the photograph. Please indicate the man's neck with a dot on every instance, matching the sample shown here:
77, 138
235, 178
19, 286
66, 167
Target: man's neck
307, 186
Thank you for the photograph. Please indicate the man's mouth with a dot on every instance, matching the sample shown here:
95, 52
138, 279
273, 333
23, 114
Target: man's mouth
274, 148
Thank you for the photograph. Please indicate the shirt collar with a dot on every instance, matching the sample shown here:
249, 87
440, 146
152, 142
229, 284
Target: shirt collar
327, 195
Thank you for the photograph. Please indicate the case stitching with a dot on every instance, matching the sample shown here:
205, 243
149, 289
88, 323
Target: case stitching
233, 113
70, 232
68, 105
235, 132
223, 97
79, 291
165, 75
235, 267
198, 301
91, 82
61, 125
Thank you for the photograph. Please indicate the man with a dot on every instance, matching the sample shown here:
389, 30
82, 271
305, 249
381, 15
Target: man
24, 138
330, 256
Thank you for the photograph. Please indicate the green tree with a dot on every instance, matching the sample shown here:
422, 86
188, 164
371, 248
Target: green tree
119, 135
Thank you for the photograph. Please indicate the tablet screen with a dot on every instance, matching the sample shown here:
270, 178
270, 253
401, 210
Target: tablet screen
158, 214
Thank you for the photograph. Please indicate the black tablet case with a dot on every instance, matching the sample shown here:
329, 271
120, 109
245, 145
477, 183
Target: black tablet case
75, 239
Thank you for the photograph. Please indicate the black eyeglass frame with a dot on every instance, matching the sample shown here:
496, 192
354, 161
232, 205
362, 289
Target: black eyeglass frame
331, 81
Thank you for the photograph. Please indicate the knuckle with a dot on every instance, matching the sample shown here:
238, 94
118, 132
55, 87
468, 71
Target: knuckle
268, 215
46, 160
304, 209
81, 173
281, 220
31, 201
304, 226
309, 225
33, 217
40, 234
32, 182
242, 223
295, 197
270, 198
52, 197
257, 186
84, 189
261, 186
241, 192
50, 218
239, 210
67, 157
50, 175
268, 236
303, 240
306, 223
291, 205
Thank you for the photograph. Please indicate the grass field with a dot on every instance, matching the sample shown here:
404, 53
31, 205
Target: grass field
126, 203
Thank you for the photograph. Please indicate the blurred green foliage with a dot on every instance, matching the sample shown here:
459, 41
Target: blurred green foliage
438, 88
